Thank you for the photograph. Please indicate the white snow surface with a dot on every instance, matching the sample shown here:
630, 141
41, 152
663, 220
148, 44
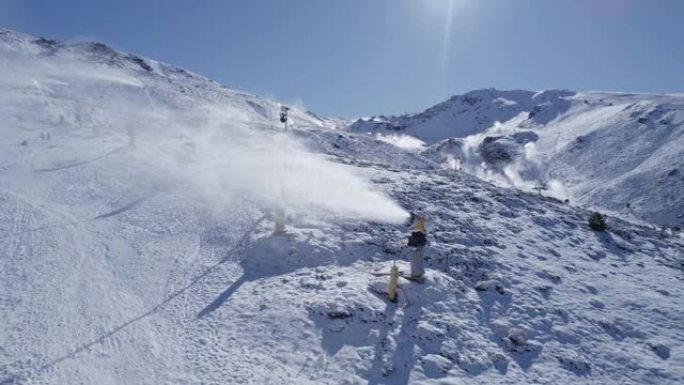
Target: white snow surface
622, 153
136, 247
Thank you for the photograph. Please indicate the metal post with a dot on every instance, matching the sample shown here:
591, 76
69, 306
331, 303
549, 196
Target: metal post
284, 116
394, 282
417, 263
280, 221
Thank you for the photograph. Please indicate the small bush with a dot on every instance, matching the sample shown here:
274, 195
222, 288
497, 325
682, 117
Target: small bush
597, 222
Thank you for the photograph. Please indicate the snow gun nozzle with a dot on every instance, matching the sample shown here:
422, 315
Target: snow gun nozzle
411, 219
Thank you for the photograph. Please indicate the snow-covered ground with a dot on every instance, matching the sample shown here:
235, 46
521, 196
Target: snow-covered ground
618, 152
136, 247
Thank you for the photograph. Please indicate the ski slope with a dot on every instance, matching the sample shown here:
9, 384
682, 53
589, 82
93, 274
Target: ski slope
136, 247
619, 152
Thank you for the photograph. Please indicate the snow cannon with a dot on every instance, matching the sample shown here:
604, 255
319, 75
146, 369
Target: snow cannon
417, 241
283, 114
418, 236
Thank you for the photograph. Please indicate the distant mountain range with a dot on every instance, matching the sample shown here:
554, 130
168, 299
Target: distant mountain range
614, 151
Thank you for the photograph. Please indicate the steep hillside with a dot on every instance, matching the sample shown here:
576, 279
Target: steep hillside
618, 152
137, 247
83, 75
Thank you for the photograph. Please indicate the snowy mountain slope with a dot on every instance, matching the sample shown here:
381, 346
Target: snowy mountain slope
619, 152
138, 80
136, 247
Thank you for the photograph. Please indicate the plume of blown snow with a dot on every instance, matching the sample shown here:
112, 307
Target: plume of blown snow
525, 171
402, 141
219, 153
227, 162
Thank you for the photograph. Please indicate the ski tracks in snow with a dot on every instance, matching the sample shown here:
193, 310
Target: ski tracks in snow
83, 162
110, 335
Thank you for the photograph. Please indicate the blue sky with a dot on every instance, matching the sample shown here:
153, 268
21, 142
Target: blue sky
362, 57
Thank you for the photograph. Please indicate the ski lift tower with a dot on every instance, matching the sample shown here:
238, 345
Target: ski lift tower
541, 186
280, 212
283, 115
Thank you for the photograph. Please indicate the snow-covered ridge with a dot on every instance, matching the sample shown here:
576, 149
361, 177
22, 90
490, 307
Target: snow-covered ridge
618, 152
185, 86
